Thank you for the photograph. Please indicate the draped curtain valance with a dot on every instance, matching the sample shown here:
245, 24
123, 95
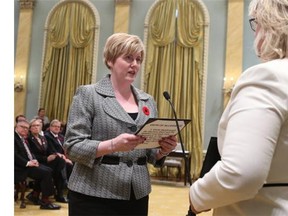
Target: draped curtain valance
162, 31
188, 32
73, 24
69, 55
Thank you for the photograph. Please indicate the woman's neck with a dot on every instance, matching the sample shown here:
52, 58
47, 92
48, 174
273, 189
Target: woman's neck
121, 87
124, 95
36, 135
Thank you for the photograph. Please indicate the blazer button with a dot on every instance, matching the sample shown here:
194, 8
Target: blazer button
133, 128
129, 163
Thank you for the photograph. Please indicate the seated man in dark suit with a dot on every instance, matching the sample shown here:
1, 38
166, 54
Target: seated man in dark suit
25, 165
55, 141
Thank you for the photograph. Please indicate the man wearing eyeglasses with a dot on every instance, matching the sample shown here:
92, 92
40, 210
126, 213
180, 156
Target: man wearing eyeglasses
55, 142
25, 165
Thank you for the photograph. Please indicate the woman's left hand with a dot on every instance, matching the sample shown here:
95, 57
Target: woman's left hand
167, 144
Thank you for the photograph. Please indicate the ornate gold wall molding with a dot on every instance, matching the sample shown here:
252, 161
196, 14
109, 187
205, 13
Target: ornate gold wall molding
23, 53
27, 4
122, 15
234, 45
127, 2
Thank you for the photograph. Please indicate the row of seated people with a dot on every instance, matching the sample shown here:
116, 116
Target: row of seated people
44, 119
41, 158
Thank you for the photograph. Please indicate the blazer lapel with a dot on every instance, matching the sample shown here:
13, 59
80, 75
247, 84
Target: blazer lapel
114, 109
111, 106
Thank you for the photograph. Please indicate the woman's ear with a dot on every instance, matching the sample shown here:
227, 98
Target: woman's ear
110, 64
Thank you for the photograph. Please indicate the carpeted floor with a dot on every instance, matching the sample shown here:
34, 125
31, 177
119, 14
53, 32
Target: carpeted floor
166, 199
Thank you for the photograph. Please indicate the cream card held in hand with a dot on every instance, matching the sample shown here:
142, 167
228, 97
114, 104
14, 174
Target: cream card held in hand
155, 129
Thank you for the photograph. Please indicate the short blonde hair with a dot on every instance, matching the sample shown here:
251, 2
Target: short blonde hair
272, 16
34, 120
122, 43
55, 121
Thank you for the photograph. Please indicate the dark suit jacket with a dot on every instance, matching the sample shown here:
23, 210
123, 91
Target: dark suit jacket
41, 152
20, 159
53, 142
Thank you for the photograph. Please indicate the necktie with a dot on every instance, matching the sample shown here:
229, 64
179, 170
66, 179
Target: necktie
57, 138
27, 149
59, 141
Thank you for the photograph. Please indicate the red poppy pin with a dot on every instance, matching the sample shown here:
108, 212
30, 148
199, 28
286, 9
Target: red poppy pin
146, 110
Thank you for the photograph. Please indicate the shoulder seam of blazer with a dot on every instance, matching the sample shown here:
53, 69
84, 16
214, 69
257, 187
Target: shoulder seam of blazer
104, 87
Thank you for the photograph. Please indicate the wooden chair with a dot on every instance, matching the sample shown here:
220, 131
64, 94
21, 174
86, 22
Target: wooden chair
173, 162
20, 187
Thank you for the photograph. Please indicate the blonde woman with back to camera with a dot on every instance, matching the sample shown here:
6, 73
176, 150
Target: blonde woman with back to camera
251, 178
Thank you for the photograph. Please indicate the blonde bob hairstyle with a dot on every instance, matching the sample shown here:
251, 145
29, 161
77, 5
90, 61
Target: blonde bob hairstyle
122, 44
36, 120
271, 42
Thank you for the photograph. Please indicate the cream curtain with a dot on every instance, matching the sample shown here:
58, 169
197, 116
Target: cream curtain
68, 57
173, 63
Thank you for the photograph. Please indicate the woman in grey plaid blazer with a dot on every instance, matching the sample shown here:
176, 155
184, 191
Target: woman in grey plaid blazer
110, 177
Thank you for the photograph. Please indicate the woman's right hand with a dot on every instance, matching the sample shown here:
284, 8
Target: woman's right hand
123, 143
126, 142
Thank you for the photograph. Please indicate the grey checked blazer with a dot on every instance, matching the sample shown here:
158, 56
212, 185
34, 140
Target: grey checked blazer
95, 116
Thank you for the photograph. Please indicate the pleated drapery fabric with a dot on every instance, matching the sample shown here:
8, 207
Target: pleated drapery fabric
68, 57
174, 63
